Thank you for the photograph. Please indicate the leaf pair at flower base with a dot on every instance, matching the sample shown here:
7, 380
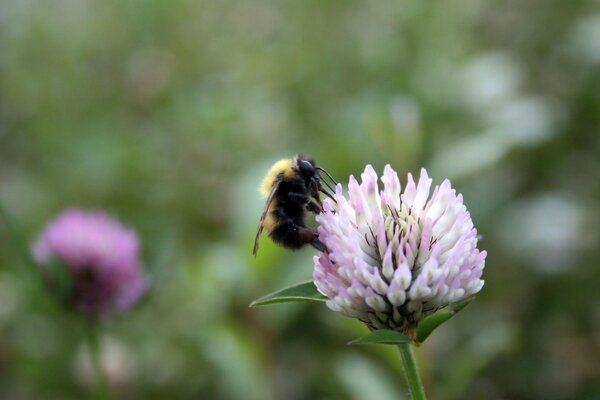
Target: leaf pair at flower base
306, 291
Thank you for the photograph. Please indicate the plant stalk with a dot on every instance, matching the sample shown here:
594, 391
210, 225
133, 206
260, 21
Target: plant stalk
93, 342
417, 392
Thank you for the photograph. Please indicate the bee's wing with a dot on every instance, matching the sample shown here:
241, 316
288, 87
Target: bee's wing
264, 214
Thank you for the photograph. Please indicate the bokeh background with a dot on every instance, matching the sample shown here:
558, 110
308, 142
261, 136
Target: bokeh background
166, 113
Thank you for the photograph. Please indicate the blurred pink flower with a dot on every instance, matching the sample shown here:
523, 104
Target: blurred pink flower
101, 257
393, 258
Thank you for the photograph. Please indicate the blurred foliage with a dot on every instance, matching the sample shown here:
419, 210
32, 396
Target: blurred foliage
166, 113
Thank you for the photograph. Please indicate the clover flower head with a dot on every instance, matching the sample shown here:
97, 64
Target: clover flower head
101, 257
396, 257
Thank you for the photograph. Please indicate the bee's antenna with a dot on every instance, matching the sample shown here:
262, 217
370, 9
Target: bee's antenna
328, 175
328, 186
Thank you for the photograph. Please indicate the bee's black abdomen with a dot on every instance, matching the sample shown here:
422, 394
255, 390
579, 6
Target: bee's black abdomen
290, 218
286, 235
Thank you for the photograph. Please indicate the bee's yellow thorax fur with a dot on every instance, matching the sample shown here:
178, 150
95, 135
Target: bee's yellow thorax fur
284, 166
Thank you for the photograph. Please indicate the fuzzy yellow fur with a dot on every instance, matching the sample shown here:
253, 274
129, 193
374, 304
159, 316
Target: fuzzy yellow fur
284, 166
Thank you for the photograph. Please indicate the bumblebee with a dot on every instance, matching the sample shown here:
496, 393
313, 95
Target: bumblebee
292, 188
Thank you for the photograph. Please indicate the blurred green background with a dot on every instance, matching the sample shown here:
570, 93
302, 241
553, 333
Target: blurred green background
167, 113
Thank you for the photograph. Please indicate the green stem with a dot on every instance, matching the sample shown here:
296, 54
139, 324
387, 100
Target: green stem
93, 341
411, 371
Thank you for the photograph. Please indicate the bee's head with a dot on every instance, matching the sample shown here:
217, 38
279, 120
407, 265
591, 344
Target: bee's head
310, 174
306, 168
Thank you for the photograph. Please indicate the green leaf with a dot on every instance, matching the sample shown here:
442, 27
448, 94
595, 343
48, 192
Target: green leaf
382, 336
462, 304
305, 291
429, 324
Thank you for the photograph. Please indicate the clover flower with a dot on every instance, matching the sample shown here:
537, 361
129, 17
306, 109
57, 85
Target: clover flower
396, 257
100, 256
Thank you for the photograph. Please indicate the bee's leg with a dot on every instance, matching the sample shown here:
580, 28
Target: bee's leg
305, 200
318, 197
314, 207
299, 198
284, 217
317, 244
308, 236
303, 234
